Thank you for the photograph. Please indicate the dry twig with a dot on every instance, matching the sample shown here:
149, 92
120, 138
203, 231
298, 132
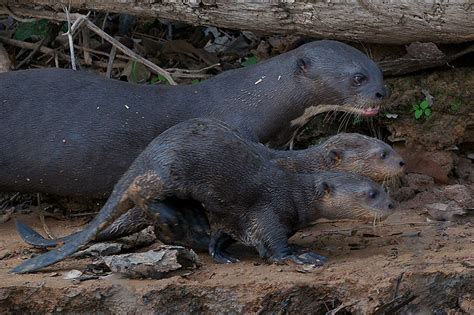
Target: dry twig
43, 221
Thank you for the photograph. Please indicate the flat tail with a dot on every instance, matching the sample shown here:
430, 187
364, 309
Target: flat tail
33, 238
54, 255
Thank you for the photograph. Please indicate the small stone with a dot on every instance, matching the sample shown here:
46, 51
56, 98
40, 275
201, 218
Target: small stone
154, 264
4, 254
100, 249
470, 156
419, 182
443, 211
73, 274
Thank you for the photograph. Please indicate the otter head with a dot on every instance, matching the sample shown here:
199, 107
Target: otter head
362, 155
340, 78
350, 196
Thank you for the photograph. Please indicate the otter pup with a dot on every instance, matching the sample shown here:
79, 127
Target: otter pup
75, 133
246, 196
183, 222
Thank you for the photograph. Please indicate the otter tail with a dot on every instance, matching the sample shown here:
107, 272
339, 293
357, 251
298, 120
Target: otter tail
132, 221
33, 238
112, 209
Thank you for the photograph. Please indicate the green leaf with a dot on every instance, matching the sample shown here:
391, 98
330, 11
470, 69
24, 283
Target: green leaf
249, 61
424, 104
195, 81
159, 78
133, 74
414, 107
456, 105
25, 31
427, 112
418, 113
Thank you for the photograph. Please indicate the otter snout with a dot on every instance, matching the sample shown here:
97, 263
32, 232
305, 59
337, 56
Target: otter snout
383, 93
387, 209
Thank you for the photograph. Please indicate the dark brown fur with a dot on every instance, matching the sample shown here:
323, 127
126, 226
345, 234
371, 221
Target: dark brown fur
76, 133
247, 197
183, 222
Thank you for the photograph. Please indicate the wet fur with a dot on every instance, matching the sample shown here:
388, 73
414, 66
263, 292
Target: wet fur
76, 133
248, 197
185, 222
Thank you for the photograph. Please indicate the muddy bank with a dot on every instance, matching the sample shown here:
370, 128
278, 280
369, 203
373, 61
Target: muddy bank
405, 265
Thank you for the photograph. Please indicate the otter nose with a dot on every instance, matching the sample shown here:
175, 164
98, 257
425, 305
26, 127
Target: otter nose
391, 206
384, 93
402, 163
380, 95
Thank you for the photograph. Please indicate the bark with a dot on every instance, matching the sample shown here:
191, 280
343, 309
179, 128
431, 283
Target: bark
391, 22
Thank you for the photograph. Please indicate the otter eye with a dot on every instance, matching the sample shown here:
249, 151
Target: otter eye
383, 155
359, 79
373, 194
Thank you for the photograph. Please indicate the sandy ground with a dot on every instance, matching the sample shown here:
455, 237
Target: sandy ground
405, 265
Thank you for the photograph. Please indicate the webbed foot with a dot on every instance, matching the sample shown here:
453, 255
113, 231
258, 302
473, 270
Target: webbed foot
224, 258
308, 258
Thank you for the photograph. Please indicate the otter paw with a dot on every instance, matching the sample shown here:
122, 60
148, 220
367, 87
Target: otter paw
312, 258
308, 258
224, 258
301, 251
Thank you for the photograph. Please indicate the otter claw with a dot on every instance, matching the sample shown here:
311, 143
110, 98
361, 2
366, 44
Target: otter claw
222, 258
313, 258
303, 259
300, 251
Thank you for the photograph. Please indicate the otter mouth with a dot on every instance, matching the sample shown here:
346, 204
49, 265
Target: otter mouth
375, 217
370, 111
367, 111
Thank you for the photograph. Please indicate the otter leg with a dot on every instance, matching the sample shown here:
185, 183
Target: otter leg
270, 238
139, 192
182, 222
219, 241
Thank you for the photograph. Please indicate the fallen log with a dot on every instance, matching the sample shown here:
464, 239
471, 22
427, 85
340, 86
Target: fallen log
388, 22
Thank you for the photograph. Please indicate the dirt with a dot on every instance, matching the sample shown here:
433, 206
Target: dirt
406, 264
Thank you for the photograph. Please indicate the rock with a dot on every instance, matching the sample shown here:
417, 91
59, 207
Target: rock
470, 156
466, 303
73, 274
403, 194
140, 239
459, 194
419, 182
155, 264
464, 168
7, 215
437, 164
143, 238
100, 249
4, 253
444, 212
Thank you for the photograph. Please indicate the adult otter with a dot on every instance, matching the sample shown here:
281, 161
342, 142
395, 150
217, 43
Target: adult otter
249, 197
183, 222
76, 133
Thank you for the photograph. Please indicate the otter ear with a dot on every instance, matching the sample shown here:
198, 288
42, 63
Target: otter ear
335, 155
303, 64
327, 188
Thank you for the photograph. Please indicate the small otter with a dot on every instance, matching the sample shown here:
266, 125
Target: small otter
75, 133
183, 222
247, 197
